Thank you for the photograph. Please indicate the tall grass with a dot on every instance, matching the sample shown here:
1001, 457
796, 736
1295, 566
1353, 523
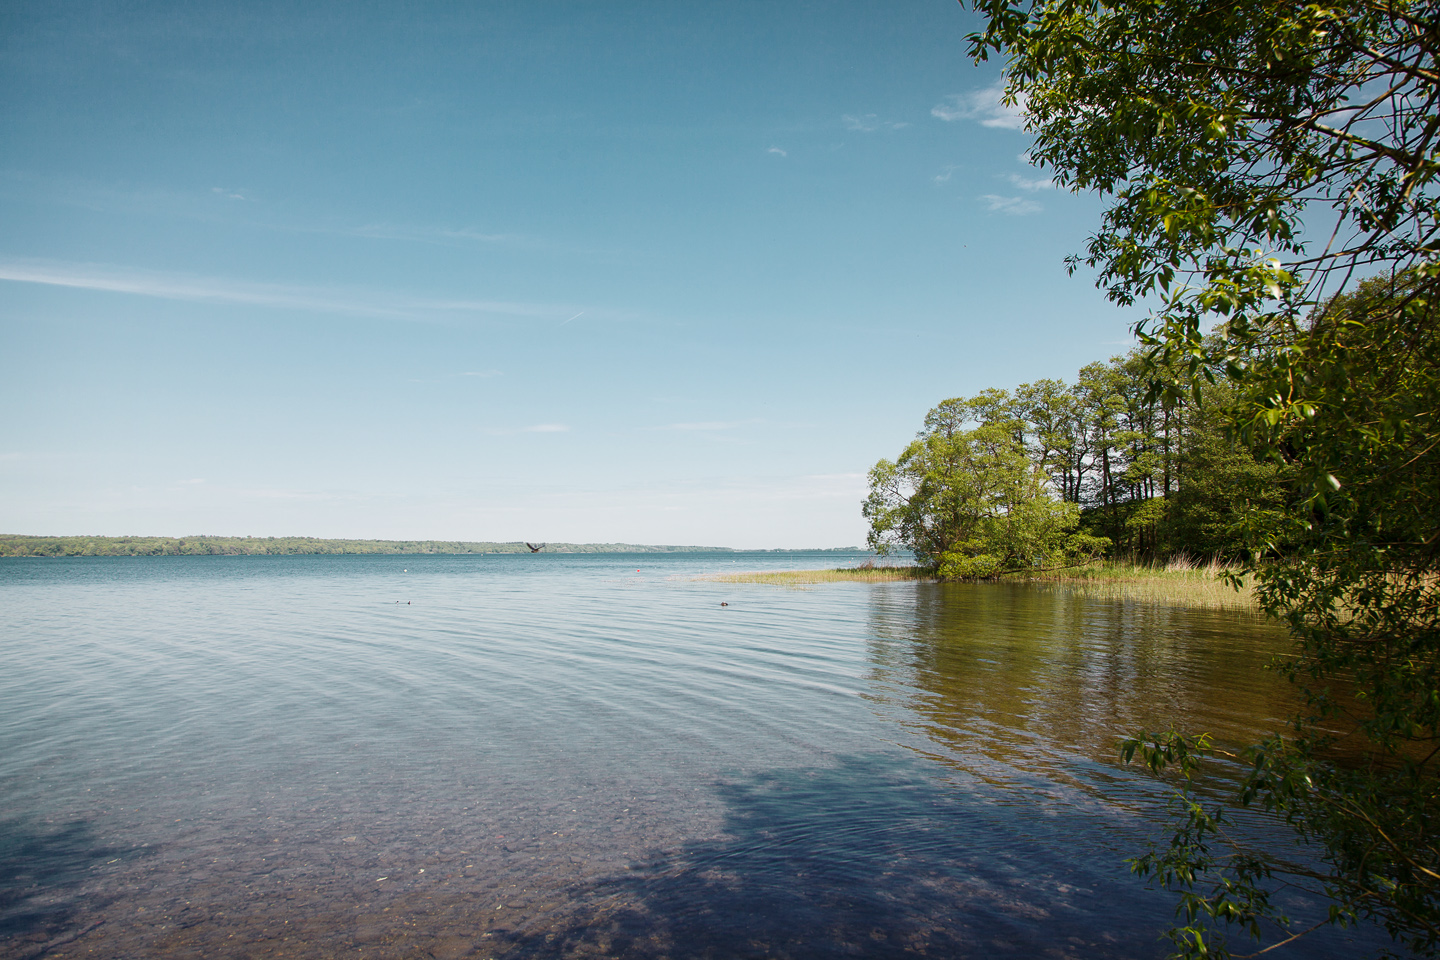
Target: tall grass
1182, 581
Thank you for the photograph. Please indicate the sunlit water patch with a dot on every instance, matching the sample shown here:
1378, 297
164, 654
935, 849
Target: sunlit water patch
550, 756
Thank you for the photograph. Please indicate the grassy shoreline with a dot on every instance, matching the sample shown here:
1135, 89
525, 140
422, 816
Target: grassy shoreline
1177, 583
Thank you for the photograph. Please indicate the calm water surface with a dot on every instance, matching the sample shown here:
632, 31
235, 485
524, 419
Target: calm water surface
574, 756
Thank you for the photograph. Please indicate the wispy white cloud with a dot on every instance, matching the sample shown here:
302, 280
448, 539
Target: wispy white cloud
482, 373
1015, 206
171, 286
778, 152
201, 205
869, 123
984, 106
944, 175
1030, 183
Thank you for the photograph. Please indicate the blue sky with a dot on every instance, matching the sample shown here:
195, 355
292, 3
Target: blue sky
651, 272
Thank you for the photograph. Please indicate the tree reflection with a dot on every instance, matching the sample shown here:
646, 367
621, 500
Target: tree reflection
1011, 680
871, 857
41, 872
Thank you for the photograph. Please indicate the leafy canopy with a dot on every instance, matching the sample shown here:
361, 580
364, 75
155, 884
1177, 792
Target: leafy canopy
1260, 155
1262, 160
967, 500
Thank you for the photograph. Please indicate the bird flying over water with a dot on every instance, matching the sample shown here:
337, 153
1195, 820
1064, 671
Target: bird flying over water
535, 549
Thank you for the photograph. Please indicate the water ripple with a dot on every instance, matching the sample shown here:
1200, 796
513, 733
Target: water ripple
559, 756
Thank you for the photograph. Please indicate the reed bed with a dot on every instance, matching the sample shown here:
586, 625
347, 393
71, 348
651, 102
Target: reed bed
1207, 594
1179, 582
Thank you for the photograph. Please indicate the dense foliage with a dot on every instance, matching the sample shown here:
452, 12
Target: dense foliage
1053, 473
968, 502
1259, 155
1261, 158
1351, 407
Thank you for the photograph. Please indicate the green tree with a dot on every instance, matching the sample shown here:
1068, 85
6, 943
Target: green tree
1257, 154
966, 499
1223, 492
1100, 390
1056, 442
1350, 564
1259, 158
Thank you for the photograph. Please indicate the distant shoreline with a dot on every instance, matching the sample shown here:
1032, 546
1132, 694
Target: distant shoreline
15, 545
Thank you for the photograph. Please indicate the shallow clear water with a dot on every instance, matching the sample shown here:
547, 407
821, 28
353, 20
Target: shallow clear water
587, 755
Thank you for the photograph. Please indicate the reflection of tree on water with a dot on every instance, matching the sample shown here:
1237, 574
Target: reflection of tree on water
872, 857
1030, 689
41, 872
1009, 680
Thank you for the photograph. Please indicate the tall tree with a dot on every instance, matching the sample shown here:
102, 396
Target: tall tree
966, 499
1223, 493
1056, 447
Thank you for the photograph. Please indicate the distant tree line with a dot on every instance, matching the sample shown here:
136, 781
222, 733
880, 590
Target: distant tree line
1053, 473
22, 546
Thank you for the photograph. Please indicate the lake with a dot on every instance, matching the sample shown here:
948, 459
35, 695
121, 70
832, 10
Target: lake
590, 755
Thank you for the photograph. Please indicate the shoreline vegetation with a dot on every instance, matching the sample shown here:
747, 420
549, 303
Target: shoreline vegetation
1180, 582
12, 545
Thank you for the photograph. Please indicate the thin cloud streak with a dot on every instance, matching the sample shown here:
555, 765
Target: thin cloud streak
1014, 206
1031, 183
869, 123
983, 106
144, 283
202, 206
